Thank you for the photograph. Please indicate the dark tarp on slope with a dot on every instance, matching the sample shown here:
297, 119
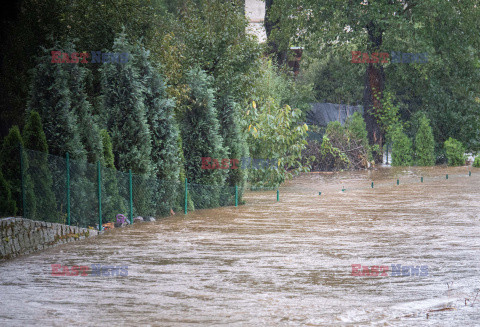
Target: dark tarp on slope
323, 113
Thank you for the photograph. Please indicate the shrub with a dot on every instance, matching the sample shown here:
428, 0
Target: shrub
401, 147
357, 128
424, 143
455, 152
333, 158
476, 162
341, 147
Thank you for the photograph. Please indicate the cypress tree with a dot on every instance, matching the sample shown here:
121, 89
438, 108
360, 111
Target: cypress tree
51, 97
401, 147
108, 157
126, 118
112, 203
88, 129
38, 170
201, 138
455, 152
425, 143
164, 133
10, 165
7, 204
234, 144
123, 97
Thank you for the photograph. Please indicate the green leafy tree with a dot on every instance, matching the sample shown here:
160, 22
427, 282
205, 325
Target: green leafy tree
455, 152
401, 147
39, 170
424, 143
273, 129
446, 86
201, 137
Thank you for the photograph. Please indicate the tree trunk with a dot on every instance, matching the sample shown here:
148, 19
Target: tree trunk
373, 92
280, 55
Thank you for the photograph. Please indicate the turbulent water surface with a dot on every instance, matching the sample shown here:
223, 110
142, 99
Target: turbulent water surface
270, 263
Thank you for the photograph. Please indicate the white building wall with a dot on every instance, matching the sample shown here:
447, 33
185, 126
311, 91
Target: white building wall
255, 12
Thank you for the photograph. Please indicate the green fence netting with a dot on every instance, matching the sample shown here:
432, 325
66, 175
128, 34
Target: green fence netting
74, 192
68, 191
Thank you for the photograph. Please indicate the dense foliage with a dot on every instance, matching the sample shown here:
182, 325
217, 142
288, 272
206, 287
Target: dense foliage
455, 152
401, 147
342, 147
424, 143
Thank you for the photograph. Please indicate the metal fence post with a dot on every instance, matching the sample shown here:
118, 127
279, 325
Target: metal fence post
186, 194
278, 195
68, 189
236, 196
99, 173
130, 190
22, 177
387, 154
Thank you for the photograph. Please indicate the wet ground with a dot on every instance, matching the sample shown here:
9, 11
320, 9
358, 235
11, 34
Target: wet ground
272, 263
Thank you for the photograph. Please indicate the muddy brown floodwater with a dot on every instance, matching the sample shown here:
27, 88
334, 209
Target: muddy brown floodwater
271, 263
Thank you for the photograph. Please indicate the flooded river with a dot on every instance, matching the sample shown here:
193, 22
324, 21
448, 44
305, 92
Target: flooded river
271, 263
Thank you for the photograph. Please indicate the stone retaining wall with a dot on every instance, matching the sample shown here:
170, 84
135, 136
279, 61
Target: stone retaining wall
21, 236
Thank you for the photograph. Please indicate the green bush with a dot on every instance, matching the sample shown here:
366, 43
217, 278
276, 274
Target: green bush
333, 158
424, 143
455, 152
476, 162
357, 128
401, 147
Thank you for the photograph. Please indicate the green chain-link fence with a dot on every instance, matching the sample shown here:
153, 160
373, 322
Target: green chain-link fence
68, 191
